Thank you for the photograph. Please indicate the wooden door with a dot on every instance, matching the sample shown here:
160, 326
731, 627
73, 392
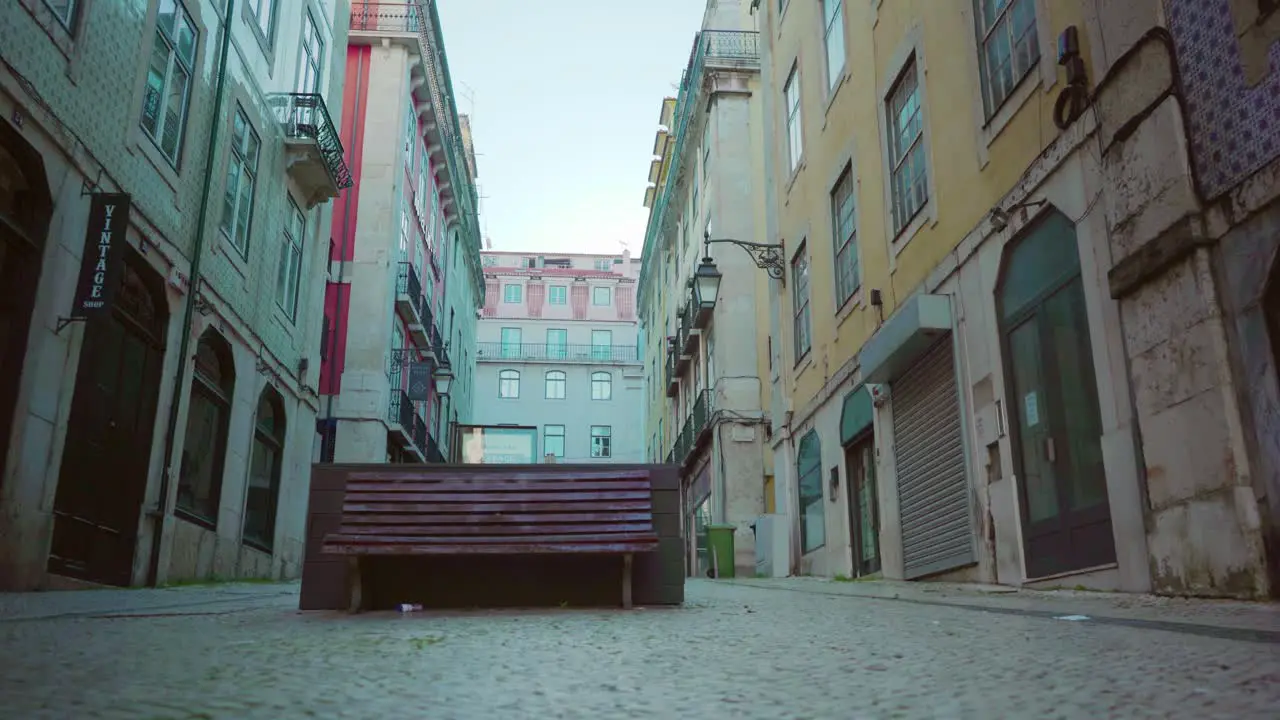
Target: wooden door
864, 512
107, 455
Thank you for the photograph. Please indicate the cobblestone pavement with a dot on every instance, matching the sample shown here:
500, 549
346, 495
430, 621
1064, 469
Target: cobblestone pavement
752, 650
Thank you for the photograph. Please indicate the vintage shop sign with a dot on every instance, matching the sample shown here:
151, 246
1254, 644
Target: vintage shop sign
104, 247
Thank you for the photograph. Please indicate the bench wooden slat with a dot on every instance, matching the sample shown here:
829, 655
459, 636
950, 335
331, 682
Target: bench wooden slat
618, 548
493, 505
370, 518
532, 539
477, 497
478, 529
444, 474
431, 486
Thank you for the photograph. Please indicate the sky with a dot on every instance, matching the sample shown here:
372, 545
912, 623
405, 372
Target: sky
564, 98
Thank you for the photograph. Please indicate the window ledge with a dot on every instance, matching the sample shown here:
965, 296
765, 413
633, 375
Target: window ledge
804, 363
917, 223
194, 519
831, 96
163, 167
853, 303
1012, 104
791, 181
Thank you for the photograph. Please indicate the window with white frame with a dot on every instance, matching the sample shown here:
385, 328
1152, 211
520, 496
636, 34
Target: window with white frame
833, 37
809, 480
511, 294
290, 269
169, 71
791, 98
556, 382
1008, 47
65, 11
604, 264
553, 440
909, 174
242, 171
601, 386
311, 61
558, 295
601, 296
706, 151
509, 384
800, 301
264, 13
601, 441
846, 245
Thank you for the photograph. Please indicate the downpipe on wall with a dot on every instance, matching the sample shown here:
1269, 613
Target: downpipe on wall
162, 511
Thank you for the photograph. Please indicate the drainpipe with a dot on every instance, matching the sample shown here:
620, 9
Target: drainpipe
180, 376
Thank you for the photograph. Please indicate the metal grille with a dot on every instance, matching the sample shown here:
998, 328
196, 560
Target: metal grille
937, 532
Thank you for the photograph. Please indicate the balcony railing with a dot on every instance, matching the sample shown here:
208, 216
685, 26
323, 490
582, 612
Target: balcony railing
409, 301
304, 117
718, 48
400, 411
419, 433
673, 377
693, 432
384, 17
603, 354
433, 451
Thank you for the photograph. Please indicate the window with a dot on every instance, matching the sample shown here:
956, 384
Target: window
264, 472
1008, 47
553, 440
556, 382
242, 170
65, 11
511, 294
511, 342
205, 446
604, 264
795, 140
168, 93
706, 151
601, 296
489, 261
833, 36
558, 295
601, 345
509, 384
812, 513
312, 56
601, 386
601, 441
909, 178
800, 301
290, 262
842, 225
557, 344
264, 12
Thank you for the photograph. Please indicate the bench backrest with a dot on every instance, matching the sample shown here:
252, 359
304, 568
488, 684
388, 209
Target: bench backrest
449, 506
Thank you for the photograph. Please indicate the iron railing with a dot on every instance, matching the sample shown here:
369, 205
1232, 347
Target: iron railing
385, 17
694, 426
305, 116
608, 354
400, 410
419, 433
407, 283
722, 48
432, 451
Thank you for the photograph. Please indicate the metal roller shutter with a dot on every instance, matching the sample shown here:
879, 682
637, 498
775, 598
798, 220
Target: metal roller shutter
937, 532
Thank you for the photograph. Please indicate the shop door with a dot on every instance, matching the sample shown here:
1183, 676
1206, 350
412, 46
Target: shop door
864, 514
108, 447
1057, 427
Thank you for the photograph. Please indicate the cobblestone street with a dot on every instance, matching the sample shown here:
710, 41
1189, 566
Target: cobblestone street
793, 649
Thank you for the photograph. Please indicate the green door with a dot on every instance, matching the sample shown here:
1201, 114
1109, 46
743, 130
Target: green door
1053, 404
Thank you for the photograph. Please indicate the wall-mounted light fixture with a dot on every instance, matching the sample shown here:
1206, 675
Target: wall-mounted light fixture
766, 257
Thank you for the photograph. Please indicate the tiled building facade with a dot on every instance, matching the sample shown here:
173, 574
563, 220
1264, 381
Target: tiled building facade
168, 438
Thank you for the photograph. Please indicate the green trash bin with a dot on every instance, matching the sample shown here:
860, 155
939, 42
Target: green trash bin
720, 545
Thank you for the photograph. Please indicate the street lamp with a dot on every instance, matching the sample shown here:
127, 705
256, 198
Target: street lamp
766, 257
706, 283
443, 377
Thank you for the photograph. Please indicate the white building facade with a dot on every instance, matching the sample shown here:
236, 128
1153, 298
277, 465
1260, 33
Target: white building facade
167, 435
557, 350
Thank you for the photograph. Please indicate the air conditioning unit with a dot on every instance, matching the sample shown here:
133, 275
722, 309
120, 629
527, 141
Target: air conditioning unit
773, 546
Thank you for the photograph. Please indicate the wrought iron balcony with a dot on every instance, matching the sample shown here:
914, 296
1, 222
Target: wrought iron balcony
409, 301
673, 377
433, 451
695, 429
400, 411
525, 352
690, 335
420, 435
384, 17
314, 155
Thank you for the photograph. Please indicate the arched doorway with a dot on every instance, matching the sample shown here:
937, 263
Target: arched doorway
107, 456
1052, 394
25, 209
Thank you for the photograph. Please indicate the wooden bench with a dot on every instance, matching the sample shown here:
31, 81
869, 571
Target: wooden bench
449, 512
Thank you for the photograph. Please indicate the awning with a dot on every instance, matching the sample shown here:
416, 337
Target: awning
857, 414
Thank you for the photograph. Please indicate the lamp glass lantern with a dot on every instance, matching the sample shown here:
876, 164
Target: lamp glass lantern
706, 283
443, 377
